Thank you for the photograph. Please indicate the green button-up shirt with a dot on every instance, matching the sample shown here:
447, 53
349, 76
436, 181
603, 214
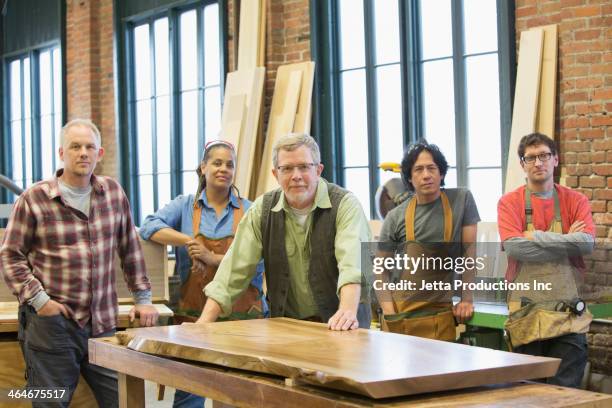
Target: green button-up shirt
238, 266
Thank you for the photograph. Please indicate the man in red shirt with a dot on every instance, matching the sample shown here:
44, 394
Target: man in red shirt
545, 229
57, 257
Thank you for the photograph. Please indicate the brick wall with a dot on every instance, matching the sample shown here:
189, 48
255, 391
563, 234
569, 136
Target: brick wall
89, 72
583, 117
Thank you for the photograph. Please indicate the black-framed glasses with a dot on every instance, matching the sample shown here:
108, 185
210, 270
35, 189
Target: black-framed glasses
302, 168
542, 156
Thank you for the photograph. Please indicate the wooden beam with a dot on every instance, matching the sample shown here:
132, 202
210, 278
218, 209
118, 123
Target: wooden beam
525, 102
304, 110
548, 83
243, 91
282, 117
131, 391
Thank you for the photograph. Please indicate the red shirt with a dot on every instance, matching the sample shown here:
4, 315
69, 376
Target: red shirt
511, 220
52, 247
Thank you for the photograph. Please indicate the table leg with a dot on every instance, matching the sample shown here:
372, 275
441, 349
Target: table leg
131, 391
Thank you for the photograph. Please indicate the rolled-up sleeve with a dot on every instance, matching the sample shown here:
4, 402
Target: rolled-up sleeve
169, 216
15, 268
351, 230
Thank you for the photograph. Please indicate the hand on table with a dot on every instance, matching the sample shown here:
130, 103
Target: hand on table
148, 315
343, 319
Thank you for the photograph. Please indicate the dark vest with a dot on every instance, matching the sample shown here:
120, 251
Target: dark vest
323, 272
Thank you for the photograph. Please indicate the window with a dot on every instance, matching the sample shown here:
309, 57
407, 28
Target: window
34, 115
174, 101
405, 70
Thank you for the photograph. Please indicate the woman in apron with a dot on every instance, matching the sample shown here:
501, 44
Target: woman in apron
202, 230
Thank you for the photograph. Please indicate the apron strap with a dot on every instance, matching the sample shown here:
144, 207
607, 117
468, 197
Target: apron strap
238, 213
529, 209
197, 216
448, 218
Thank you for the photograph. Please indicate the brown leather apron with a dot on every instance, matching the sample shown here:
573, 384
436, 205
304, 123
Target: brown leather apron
544, 323
432, 318
192, 300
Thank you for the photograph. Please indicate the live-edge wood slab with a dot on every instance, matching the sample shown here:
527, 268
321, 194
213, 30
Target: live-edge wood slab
371, 363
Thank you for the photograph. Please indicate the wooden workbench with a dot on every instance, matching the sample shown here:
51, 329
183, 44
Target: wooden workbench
244, 389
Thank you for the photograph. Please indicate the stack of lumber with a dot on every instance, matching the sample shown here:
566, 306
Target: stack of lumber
534, 96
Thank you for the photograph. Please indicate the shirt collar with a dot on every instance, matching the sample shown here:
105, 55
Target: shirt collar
321, 198
233, 200
53, 190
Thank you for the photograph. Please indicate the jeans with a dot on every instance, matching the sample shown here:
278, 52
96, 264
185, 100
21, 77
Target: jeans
55, 352
570, 348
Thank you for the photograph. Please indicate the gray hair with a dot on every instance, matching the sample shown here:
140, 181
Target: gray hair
80, 122
294, 141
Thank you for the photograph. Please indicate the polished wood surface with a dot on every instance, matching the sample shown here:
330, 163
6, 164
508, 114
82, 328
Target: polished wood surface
371, 363
156, 261
246, 389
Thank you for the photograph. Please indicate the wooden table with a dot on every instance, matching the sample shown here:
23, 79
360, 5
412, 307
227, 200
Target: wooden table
245, 389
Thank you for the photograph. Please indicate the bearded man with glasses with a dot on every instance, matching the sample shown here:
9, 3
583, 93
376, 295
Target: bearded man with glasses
309, 233
546, 228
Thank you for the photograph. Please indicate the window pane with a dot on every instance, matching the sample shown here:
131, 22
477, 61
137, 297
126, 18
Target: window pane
146, 196
450, 181
212, 112
27, 127
189, 50
142, 61
484, 134
480, 25
45, 83
358, 182
27, 105
436, 28
389, 113
190, 182
352, 43
212, 70
439, 106
15, 89
486, 187
163, 134
163, 189
386, 17
189, 129
57, 82
17, 151
145, 150
58, 127
354, 117
46, 145
162, 57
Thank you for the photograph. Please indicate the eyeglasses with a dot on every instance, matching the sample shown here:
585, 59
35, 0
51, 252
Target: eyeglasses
542, 156
302, 168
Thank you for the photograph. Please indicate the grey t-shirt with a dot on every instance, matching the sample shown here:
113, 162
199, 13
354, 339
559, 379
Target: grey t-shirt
429, 218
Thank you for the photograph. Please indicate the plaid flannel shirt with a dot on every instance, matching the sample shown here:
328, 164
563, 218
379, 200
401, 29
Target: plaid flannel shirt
52, 247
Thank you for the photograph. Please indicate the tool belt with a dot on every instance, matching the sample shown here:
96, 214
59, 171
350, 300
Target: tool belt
544, 320
430, 324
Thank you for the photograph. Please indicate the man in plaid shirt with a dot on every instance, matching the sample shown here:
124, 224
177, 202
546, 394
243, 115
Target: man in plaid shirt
57, 258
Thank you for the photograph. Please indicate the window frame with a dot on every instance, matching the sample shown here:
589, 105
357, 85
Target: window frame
126, 91
328, 104
33, 53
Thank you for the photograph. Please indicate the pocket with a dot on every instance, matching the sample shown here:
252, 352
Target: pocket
47, 333
439, 326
